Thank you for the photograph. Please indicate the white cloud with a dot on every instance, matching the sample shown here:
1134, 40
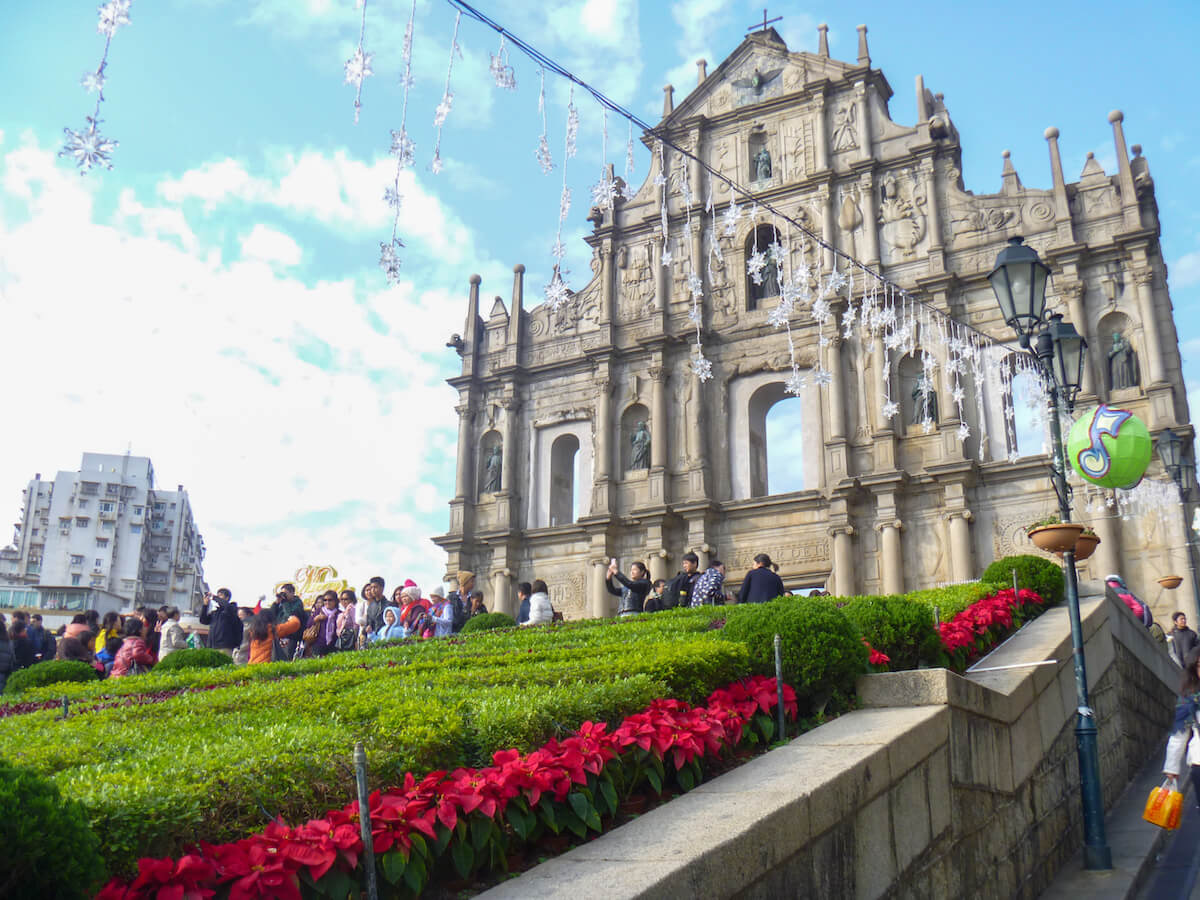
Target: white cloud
308, 418
1185, 271
271, 246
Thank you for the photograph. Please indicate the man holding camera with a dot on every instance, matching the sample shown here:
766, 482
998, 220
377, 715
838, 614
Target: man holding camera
220, 614
289, 615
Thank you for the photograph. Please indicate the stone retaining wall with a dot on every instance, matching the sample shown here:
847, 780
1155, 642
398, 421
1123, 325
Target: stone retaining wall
939, 786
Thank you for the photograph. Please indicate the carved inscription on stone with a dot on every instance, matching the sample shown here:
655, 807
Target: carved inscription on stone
805, 555
567, 594
637, 283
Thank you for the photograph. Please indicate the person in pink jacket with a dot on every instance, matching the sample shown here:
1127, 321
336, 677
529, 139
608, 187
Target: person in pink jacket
134, 651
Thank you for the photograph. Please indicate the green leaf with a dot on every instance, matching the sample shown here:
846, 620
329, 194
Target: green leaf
574, 823
655, 780
579, 805
443, 838
481, 830
463, 857
549, 814
520, 824
686, 778
338, 884
393, 865
609, 793
593, 820
420, 846
416, 875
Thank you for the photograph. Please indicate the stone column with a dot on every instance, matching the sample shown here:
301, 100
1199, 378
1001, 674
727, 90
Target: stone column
828, 224
934, 212
1129, 199
870, 226
837, 399
597, 592
890, 557
1107, 557
604, 428
864, 120
821, 137
1072, 292
1144, 278
1062, 208
462, 472
508, 473
502, 599
659, 427
662, 277
962, 562
657, 561
844, 580
607, 311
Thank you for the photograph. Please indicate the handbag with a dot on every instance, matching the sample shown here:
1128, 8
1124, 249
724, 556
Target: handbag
313, 631
1164, 806
347, 638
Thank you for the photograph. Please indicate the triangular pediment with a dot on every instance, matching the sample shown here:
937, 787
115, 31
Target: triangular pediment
760, 69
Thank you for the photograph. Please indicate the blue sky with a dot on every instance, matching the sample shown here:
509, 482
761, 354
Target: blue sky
214, 300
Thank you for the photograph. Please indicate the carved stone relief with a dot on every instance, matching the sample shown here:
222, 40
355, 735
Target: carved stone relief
901, 215
637, 283
567, 593
845, 127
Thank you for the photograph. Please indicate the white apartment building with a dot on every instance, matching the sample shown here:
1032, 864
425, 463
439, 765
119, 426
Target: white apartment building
105, 528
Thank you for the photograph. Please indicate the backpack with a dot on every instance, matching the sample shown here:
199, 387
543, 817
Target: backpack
670, 594
460, 611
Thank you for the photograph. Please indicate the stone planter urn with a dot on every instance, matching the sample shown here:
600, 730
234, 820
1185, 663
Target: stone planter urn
1057, 537
1085, 546
1170, 582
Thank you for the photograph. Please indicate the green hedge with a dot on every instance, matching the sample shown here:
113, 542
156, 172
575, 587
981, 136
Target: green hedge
900, 626
488, 621
1034, 573
200, 658
822, 650
51, 672
49, 850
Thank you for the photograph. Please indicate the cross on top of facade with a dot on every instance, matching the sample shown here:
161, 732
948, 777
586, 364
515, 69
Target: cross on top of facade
765, 22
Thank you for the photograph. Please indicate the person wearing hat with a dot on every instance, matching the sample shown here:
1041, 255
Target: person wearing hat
761, 583
455, 601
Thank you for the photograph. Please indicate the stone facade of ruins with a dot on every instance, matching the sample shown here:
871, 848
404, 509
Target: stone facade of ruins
887, 505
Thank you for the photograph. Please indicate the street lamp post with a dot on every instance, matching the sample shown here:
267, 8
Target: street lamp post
1170, 452
1019, 282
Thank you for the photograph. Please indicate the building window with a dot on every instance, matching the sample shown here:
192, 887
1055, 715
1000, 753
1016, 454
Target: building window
759, 242
99, 562
81, 521
106, 525
564, 454
113, 489
137, 510
106, 507
75, 579
135, 529
159, 507
77, 559
83, 503
101, 542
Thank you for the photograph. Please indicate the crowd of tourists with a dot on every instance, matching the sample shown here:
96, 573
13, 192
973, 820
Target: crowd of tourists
120, 645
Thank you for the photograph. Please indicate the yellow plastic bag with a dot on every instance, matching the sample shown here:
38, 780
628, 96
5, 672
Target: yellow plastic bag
1164, 806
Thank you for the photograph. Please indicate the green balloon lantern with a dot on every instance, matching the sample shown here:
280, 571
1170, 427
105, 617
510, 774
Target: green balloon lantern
1110, 447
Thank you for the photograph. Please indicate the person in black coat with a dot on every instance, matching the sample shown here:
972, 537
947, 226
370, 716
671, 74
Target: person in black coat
1184, 639
220, 614
633, 590
22, 650
761, 583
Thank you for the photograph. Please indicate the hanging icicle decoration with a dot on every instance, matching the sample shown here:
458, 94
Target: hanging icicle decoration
89, 147
627, 189
358, 66
542, 153
604, 191
557, 292
403, 149
978, 378
660, 181
503, 74
443, 108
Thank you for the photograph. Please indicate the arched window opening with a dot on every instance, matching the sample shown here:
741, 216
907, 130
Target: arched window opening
564, 458
636, 438
1027, 412
759, 242
775, 442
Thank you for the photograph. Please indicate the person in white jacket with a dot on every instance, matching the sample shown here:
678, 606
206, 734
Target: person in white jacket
540, 610
1186, 729
172, 636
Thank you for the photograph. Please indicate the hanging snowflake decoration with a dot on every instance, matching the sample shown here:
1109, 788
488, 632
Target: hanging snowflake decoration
403, 149
358, 66
113, 15
755, 263
542, 153
822, 376
834, 283
729, 219
557, 292
964, 431
88, 147
93, 82
389, 259
572, 129
502, 73
701, 366
890, 409
443, 108
627, 191
796, 383
392, 198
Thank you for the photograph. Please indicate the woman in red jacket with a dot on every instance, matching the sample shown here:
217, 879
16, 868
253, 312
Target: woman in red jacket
133, 652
